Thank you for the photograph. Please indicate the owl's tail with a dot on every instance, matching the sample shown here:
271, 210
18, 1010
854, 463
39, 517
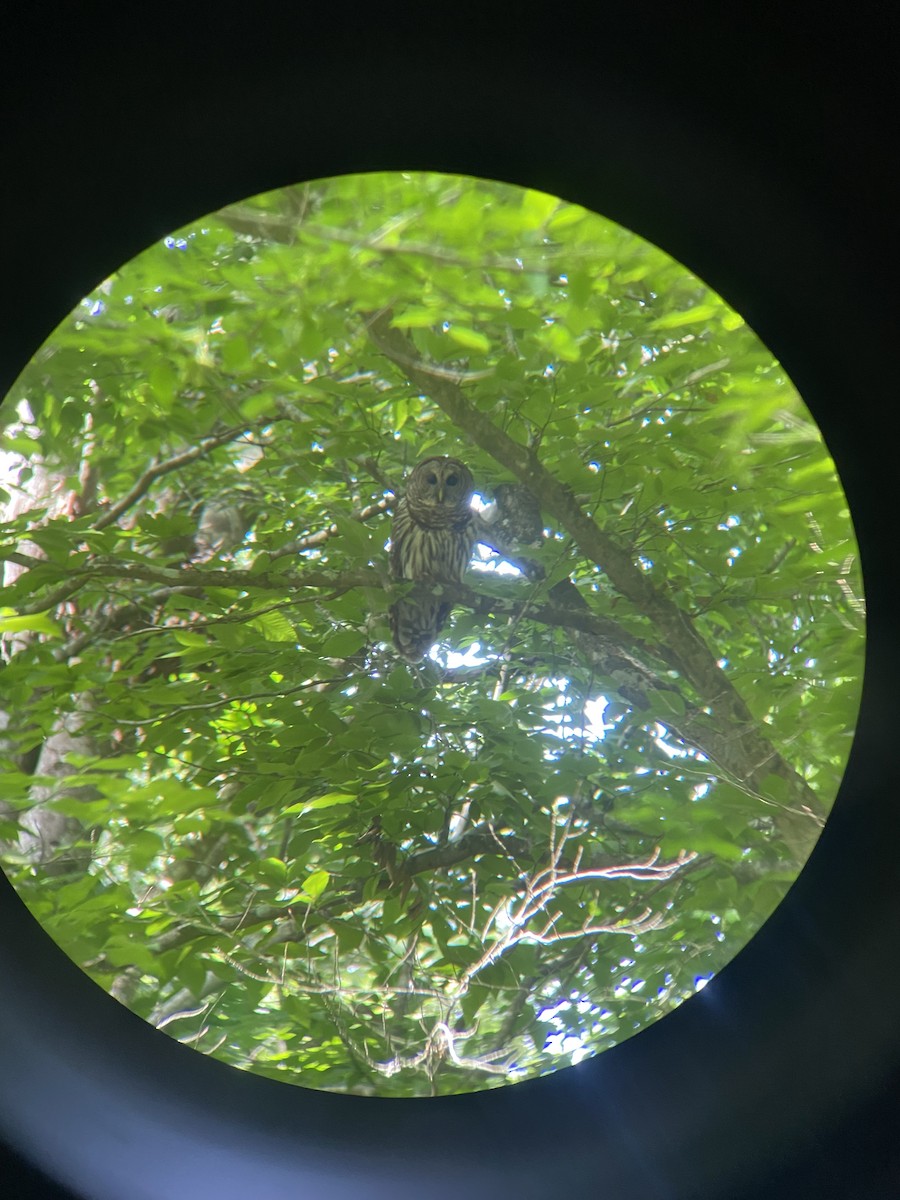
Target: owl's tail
416, 621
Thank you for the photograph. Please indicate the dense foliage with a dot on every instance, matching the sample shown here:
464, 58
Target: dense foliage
228, 799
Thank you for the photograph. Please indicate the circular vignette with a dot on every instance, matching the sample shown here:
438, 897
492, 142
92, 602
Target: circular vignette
416, 872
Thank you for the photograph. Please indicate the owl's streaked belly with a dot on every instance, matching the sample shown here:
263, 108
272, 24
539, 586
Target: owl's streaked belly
437, 554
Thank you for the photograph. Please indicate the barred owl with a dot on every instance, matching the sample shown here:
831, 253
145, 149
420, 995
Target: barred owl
432, 537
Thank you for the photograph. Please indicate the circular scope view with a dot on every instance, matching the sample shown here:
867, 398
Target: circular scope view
432, 634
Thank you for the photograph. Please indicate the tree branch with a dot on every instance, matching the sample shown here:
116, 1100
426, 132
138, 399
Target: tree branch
157, 470
686, 648
312, 540
477, 841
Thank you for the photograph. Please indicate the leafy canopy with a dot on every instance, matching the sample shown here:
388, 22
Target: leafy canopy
226, 797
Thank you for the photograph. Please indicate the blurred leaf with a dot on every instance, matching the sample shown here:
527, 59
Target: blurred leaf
315, 884
471, 339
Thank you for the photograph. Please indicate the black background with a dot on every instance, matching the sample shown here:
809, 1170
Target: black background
763, 156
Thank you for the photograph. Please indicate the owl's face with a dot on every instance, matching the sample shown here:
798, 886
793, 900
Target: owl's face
441, 481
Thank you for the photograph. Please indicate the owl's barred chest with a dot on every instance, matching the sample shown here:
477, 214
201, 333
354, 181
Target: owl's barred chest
431, 545
441, 554
438, 517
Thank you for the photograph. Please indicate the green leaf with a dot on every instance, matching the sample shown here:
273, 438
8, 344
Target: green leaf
710, 843
343, 644
235, 353
315, 884
30, 623
273, 870
274, 626
696, 315
471, 339
415, 317
537, 207
473, 999
329, 800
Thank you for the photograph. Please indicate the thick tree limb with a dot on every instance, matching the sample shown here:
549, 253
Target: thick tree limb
749, 751
695, 660
193, 581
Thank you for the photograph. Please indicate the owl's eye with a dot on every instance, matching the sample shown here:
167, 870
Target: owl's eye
452, 481
432, 479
